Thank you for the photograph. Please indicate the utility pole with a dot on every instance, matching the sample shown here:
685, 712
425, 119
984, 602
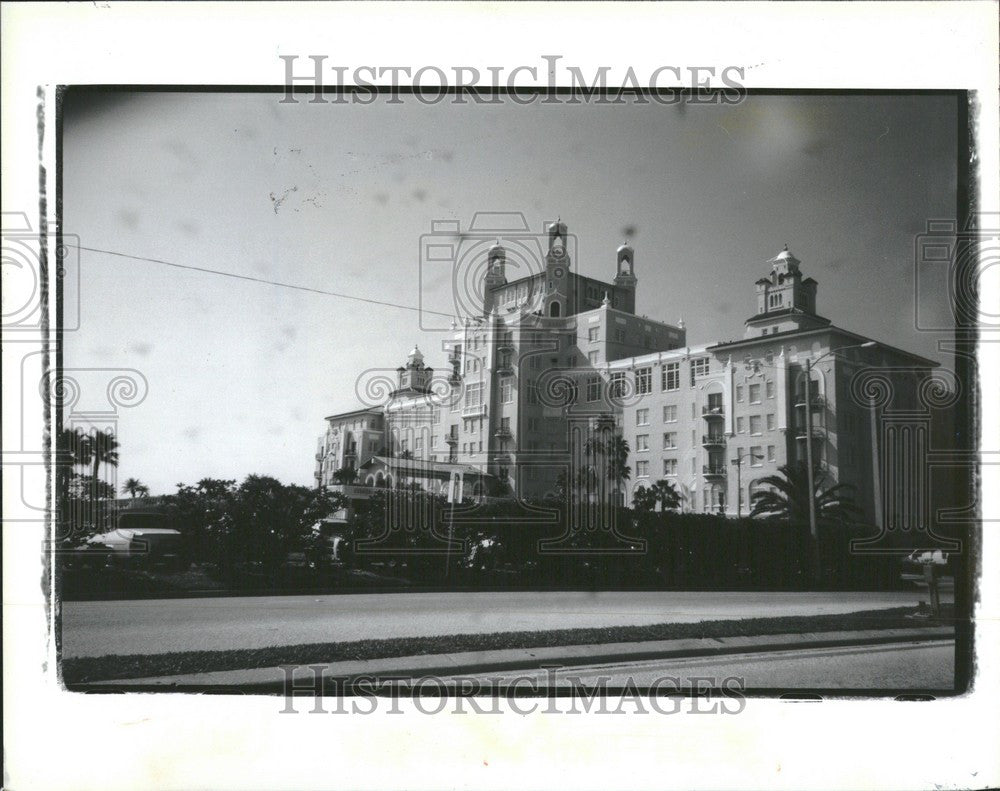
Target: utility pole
876, 472
813, 532
737, 463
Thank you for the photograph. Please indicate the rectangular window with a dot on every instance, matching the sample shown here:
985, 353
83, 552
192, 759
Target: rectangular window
506, 392
505, 424
642, 442
669, 440
642, 417
671, 377
694, 465
532, 393
741, 425
617, 387
670, 467
755, 424
644, 381
770, 422
754, 394
642, 469
532, 424
474, 394
418, 444
593, 388
670, 413
770, 452
699, 369
620, 336
593, 334
769, 388
593, 357
756, 456
739, 394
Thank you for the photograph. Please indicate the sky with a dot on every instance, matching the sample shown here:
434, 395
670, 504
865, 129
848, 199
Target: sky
337, 198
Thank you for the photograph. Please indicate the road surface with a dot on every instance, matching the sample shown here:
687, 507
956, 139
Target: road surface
926, 665
151, 626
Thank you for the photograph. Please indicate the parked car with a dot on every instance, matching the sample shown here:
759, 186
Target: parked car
913, 565
146, 548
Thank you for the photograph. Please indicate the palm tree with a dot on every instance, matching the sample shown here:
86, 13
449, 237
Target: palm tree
345, 475
135, 488
787, 496
103, 449
662, 493
618, 470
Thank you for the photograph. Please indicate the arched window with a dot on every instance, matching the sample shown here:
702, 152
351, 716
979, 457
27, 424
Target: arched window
554, 310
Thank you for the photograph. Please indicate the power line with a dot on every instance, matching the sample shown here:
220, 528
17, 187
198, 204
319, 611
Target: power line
265, 281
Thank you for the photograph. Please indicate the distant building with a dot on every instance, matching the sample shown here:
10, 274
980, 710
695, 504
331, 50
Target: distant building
557, 363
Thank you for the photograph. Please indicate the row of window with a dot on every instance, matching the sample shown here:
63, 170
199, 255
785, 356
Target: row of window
758, 455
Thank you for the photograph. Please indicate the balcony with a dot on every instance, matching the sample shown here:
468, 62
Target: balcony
502, 432
454, 378
451, 438
713, 411
505, 368
713, 441
505, 345
800, 431
474, 411
351, 490
799, 400
714, 471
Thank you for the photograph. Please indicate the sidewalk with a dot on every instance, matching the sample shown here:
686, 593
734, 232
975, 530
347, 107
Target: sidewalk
272, 679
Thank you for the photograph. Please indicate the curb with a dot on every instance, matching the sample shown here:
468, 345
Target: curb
340, 674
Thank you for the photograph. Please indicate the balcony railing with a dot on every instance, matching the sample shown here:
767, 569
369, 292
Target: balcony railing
505, 344
503, 432
505, 367
713, 440
712, 411
800, 431
451, 438
713, 470
800, 400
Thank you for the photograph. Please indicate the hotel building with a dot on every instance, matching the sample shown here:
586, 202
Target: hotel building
556, 359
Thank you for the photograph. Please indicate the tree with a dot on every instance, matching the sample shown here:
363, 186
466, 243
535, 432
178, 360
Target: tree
787, 496
135, 488
103, 449
345, 475
662, 493
618, 469
251, 526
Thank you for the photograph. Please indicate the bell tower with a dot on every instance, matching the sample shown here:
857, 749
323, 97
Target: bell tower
557, 271
625, 279
496, 262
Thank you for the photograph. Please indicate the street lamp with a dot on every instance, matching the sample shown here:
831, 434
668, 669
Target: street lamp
810, 364
739, 481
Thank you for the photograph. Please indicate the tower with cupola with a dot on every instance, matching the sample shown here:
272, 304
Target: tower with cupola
625, 279
557, 276
414, 376
496, 263
785, 300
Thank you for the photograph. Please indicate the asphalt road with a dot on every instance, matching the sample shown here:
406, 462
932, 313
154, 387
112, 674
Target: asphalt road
926, 665
151, 626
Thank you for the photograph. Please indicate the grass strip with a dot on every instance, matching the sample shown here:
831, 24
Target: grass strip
120, 667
